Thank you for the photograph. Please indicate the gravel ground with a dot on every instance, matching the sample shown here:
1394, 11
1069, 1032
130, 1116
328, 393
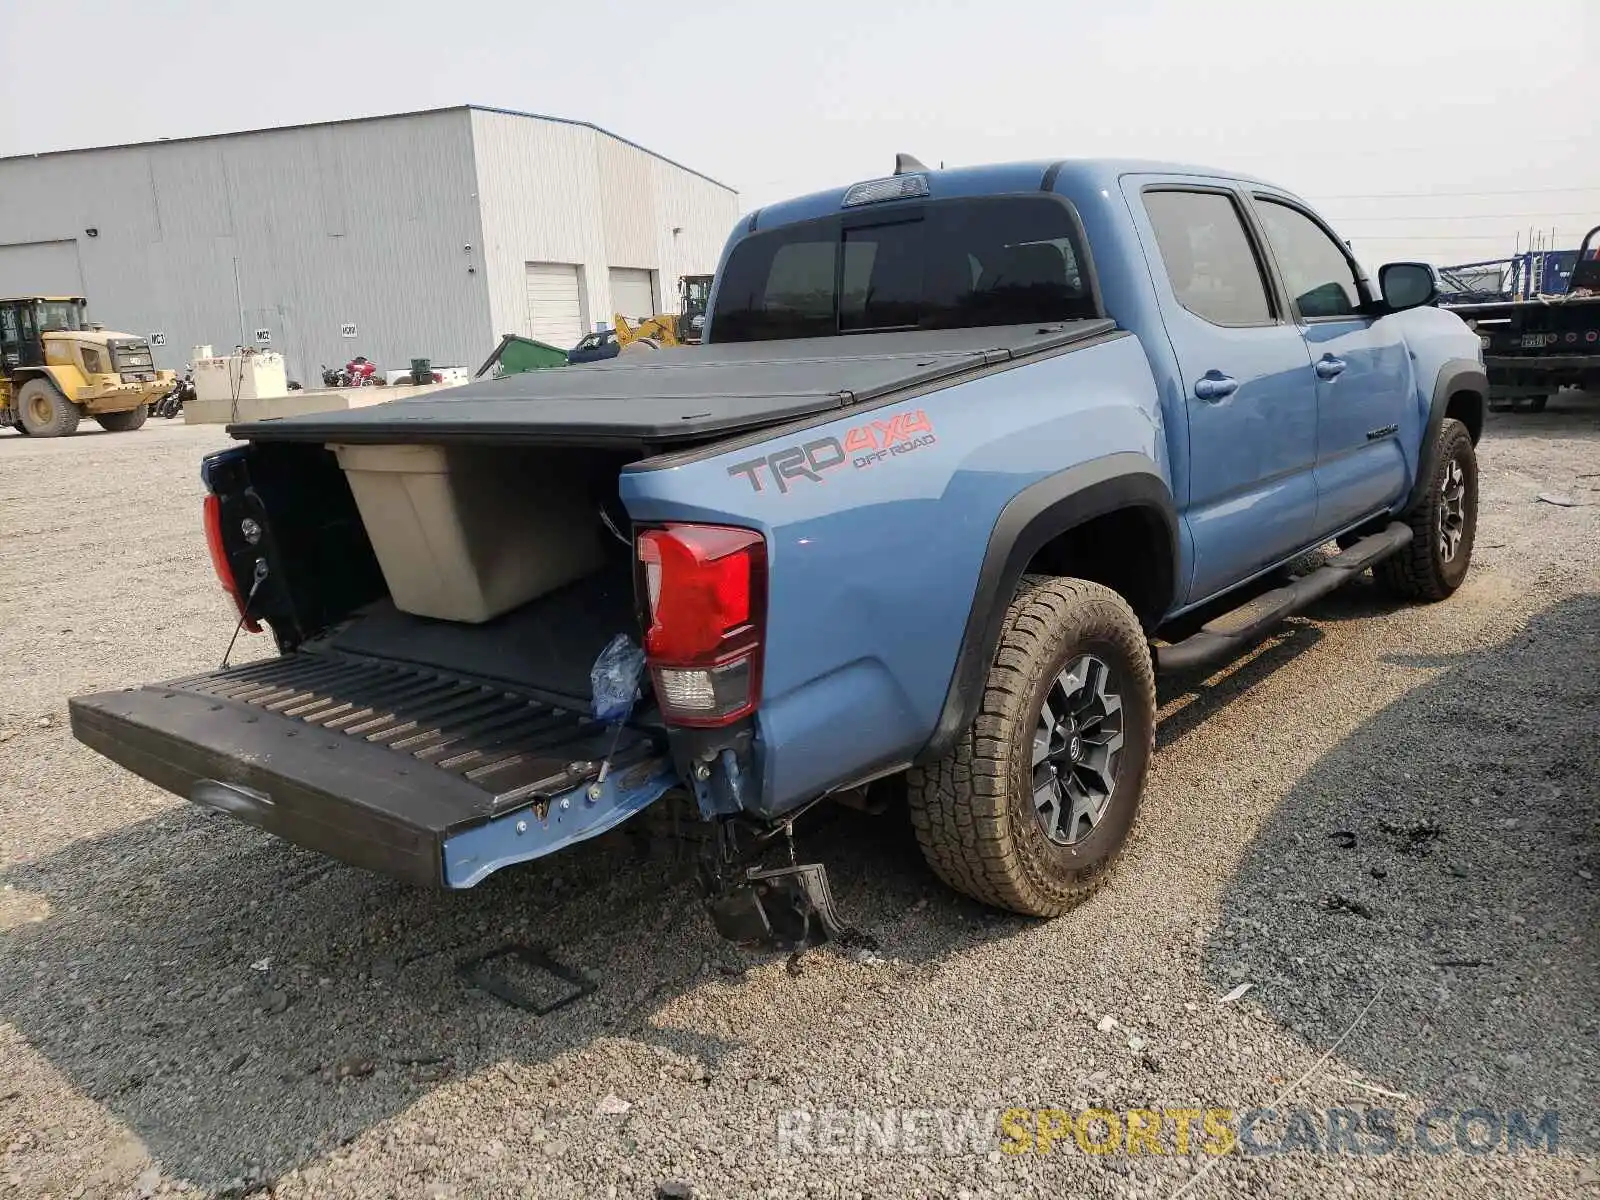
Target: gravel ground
188, 1006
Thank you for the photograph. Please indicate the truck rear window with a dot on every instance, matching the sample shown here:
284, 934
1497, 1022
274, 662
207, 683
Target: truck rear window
944, 264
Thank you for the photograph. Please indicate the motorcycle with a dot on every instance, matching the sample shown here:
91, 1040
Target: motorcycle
358, 372
171, 404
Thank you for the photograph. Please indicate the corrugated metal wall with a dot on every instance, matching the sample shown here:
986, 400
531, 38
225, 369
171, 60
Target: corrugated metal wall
361, 222
559, 193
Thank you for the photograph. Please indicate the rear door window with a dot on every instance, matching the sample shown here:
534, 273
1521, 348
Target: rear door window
1208, 257
940, 265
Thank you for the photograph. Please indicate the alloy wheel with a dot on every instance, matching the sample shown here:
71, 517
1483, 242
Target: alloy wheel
1076, 746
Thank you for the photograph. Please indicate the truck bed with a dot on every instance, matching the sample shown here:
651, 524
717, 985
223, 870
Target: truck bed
648, 400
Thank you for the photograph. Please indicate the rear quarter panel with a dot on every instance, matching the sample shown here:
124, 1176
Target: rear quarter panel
873, 568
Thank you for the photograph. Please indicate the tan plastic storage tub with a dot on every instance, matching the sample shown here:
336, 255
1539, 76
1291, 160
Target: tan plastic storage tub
467, 534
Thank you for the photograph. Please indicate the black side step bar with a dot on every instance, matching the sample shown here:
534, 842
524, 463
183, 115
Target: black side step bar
1226, 636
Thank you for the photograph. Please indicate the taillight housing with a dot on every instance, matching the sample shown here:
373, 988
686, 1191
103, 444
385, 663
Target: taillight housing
219, 560
705, 594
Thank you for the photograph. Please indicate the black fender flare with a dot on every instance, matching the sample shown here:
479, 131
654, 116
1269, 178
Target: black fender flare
1455, 376
1042, 511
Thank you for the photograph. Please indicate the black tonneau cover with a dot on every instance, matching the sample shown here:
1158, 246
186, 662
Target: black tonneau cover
650, 399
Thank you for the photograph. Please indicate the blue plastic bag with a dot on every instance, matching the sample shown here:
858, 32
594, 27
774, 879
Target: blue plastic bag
614, 679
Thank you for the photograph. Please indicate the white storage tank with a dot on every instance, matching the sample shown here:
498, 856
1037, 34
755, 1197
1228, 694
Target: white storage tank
241, 376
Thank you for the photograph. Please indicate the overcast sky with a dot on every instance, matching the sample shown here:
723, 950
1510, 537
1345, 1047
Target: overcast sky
1433, 129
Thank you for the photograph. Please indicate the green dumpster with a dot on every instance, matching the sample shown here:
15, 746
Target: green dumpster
516, 354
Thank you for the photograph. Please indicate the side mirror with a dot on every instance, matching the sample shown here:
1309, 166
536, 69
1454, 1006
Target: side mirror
1406, 285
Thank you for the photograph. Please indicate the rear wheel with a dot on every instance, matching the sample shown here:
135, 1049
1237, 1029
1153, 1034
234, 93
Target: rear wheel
1444, 523
124, 422
1034, 804
44, 411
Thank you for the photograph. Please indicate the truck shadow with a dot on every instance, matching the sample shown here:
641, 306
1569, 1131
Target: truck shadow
245, 1007
1446, 850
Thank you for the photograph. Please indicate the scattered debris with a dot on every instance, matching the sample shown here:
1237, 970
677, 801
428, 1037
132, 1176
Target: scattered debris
1236, 994
354, 1068
1344, 838
612, 1105
867, 958
1338, 903
1367, 1087
427, 1058
1560, 499
262, 964
1415, 840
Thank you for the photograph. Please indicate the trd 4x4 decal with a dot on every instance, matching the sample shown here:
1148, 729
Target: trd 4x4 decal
863, 446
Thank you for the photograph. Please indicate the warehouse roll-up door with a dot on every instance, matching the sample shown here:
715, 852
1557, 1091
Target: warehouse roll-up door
630, 293
555, 304
40, 269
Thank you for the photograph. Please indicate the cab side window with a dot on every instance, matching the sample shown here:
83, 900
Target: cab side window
1315, 270
1209, 260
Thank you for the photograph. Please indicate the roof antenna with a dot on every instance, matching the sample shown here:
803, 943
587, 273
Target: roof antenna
905, 163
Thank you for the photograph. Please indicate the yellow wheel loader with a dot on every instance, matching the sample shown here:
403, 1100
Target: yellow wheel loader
56, 368
668, 329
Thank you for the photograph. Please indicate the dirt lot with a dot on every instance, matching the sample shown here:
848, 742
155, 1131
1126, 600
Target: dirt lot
1385, 811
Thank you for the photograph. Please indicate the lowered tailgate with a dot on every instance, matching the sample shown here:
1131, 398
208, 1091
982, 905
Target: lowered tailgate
426, 776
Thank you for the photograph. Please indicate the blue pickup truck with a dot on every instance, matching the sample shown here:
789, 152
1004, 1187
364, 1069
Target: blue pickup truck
965, 459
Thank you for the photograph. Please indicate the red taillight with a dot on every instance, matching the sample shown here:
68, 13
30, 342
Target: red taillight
219, 559
705, 586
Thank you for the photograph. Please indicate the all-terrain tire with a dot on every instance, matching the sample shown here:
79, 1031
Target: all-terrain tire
45, 412
124, 422
973, 811
1428, 569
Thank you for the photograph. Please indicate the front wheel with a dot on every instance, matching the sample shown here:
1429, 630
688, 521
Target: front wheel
124, 422
1036, 801
1444, 523
45, 412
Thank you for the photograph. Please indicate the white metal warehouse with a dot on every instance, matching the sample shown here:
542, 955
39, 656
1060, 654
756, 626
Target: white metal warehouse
420, 235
